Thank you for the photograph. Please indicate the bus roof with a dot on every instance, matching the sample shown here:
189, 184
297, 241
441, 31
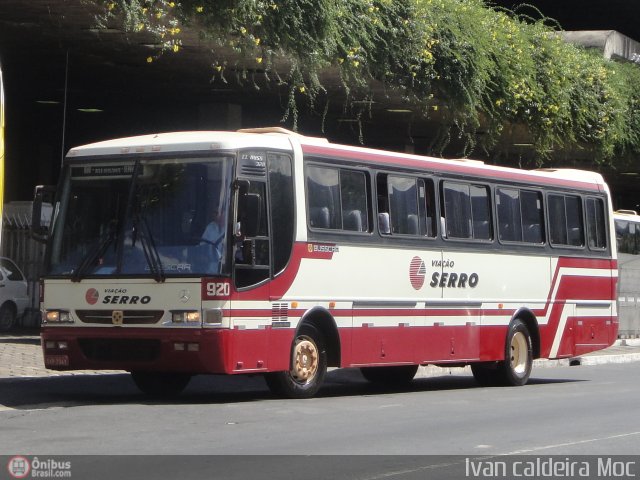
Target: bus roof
181, 142
282, 139
631, 215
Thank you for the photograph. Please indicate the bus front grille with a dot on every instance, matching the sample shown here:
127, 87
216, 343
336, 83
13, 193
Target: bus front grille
130, 317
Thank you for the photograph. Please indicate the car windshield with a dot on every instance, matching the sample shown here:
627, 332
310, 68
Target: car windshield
148, 217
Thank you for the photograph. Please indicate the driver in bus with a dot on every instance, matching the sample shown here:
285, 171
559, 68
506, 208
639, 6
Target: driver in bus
213, 235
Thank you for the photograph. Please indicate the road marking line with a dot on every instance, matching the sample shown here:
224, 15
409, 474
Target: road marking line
568, 444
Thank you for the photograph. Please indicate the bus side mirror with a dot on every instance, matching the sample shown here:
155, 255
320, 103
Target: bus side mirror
41, 210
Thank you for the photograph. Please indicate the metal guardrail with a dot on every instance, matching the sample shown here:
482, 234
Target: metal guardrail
28, 254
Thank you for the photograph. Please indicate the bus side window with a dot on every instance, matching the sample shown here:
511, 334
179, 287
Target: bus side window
532, 217
457, 209
354, 199
323, 197
519, 215
427, 205
406, 206
338, 199
565, 220
596, 231
467, 211
509, 218
384, 219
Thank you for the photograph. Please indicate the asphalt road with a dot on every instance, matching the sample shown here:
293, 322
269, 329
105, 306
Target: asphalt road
563, 411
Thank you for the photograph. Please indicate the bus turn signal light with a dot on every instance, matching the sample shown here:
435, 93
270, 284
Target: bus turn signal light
185, 317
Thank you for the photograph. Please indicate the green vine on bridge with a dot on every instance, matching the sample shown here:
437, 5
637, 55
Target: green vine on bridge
473, 66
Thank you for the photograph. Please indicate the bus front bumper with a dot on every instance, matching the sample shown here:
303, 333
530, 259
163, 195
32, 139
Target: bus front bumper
168, 350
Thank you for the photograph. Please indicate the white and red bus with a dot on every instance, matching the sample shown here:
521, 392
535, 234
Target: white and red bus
263, 251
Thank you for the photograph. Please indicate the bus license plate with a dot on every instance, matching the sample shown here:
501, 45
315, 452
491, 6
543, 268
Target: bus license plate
56, 361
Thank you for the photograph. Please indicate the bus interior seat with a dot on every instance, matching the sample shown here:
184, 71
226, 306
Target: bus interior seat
319, 217
481, 229
575, 236
532, 233
353, 221
413, 227
384, 225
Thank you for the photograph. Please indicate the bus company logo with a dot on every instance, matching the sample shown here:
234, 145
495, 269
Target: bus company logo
19, 467
417, 272
322, 248
92, 296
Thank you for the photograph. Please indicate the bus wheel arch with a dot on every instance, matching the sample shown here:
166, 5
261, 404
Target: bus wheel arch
324, 322
315, 345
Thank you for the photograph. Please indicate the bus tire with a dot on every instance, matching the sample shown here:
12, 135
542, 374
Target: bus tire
7, 317
516, 367
308, 366
396, 375
161, 384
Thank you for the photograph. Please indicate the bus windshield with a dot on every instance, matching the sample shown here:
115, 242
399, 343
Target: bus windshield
158, 218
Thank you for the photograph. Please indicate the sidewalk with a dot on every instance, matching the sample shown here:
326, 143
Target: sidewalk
21, 356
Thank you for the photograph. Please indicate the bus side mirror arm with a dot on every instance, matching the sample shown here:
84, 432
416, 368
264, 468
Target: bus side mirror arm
42, 194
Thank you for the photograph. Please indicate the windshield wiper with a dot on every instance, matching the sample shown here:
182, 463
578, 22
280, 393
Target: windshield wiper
151, 254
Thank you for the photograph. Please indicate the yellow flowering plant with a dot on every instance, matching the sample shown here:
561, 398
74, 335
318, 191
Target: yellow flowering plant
475, 67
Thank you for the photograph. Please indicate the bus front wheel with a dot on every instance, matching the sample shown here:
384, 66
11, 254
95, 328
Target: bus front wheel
161, 384
308, 366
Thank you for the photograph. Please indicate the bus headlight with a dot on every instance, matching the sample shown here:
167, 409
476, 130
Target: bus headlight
185, 316
57, 316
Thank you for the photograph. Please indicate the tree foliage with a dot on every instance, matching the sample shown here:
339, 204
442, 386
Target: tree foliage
477, 66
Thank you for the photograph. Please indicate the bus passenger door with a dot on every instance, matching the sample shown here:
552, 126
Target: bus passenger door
263, 239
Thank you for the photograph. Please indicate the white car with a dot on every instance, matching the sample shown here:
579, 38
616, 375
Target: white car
13, 293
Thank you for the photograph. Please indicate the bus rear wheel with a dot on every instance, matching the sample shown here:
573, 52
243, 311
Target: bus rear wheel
518, 361
396, 375
515, 369
308, 366
161, 384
